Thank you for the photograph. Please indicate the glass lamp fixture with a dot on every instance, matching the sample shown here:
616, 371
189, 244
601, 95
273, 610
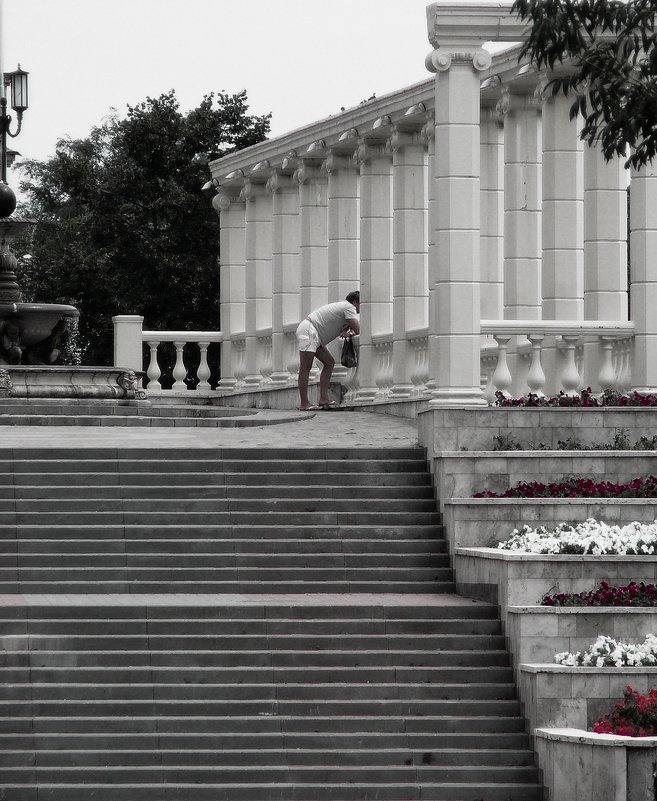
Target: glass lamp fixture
17, 82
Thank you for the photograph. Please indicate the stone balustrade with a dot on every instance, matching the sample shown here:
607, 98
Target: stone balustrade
185, 376
582, 353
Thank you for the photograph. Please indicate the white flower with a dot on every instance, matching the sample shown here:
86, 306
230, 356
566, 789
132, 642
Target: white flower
591, 536
605, 651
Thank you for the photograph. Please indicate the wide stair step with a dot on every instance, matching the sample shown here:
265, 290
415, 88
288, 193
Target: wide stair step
101, 520
263, 700
252, 674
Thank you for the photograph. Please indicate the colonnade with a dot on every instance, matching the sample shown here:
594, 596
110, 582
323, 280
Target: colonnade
455, 205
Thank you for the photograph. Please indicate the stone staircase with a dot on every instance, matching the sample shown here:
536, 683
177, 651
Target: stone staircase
175, 627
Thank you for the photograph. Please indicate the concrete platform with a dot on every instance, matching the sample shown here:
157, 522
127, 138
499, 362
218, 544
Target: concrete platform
315, 429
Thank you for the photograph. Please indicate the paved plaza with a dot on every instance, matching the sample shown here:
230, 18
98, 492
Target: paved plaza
279, 429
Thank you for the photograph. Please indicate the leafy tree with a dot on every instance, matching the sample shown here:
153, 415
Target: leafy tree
610, 49
123, 227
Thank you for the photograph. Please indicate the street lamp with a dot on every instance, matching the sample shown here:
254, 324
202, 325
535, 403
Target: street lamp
16, 81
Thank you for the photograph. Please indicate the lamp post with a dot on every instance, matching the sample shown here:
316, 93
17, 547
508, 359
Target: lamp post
17, 83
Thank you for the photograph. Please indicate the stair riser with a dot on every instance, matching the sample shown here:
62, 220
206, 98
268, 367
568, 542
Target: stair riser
272, 643
264, 757
185, 531
283, 586
101, 675
256, 659
300, 774
210, 491
87, 547
168, 464
309, 692
36, 566
296, 792
513, 743
240, 481
253, 628
259, 724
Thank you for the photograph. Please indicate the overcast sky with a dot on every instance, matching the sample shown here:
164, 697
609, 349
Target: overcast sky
300, 59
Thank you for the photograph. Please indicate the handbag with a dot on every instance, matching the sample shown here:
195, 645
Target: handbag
348, 356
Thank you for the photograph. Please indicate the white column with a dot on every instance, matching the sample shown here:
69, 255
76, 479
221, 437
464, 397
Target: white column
258, 253
643, 276
232, 290
375, 258
343, 226
492, 214
313, 235
428, 136
285, 269
605, 237
563, 213
522, 207
409, 259
343, 235
454, 265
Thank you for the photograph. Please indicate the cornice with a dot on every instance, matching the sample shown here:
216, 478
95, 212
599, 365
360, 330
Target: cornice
341, 133
464, 25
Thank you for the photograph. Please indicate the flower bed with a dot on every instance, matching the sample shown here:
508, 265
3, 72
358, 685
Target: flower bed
631, 595
584, 400
590, 537
607, 652
578, 488
635, 716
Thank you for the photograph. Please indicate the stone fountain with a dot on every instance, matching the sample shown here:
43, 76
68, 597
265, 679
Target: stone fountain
33, 336
30, 333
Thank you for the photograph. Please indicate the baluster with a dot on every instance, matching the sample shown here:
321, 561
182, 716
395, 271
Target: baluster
488, 363
502, 379
240, 362
535, 374
267, 365
353, 383
570, 379
154, 372
203, 367
423, 361
179, 371
292, 363
625, 371
607, 378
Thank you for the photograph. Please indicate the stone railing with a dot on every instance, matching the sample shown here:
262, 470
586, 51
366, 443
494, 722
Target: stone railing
517, 356
184, 376
552, 355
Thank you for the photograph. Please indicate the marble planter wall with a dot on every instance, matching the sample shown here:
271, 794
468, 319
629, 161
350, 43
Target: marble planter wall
582, 766
536, 633
460, 474
562, 697
519, 579
487, 521
442, 430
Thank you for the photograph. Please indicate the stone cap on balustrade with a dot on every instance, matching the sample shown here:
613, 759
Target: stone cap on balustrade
187, 336
613, 328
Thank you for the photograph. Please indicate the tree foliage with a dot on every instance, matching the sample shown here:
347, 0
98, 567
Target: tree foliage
123, 227
610, 50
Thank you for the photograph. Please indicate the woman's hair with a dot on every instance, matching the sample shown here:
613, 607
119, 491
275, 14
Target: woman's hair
353, 296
